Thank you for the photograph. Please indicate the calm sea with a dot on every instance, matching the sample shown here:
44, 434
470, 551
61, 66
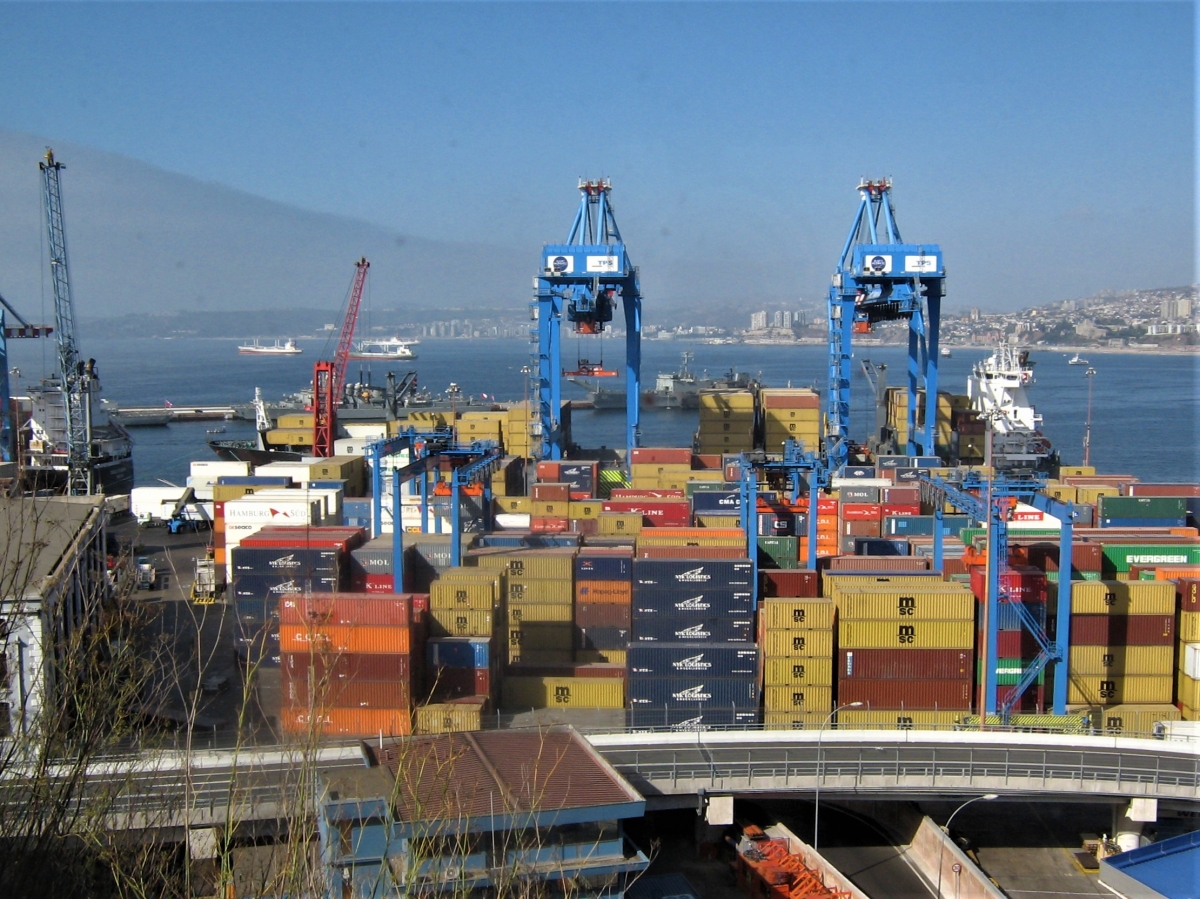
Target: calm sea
1144, 407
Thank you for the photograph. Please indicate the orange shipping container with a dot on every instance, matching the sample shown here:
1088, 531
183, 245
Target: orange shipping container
604, 591
341, 638
347, 722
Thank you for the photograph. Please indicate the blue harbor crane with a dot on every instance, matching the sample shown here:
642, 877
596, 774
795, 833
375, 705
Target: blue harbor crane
880, 278
584, 279
78, 376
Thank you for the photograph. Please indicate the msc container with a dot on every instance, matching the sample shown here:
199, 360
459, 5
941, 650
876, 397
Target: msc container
936, 604
562, 693
1106, 690
541, 591
603, 614
866, 634
797, 672
692, 630
346, 722
798, 614
541, 635
902, 664
389, 610
692, 691
1123, 630
317, 667
341, 638
533, 564
687, 573
799, 698
788, 583
1121, 660
1135, 719
460, 623
519, 612
448, 717
896, 719
1122, 597
692, 659
798, 644
917, 693
451, 595
701, 602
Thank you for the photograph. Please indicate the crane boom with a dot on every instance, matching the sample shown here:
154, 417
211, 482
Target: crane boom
329, 378
345, 341
76, 377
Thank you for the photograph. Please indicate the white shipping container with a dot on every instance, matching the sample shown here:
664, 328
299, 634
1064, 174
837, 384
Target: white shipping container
364, 432
835, 483
274, 510
294, 470
1028, 518
1178, 730
513, 521
1190, 659
220, 469
203, 488
146, 502
331, 499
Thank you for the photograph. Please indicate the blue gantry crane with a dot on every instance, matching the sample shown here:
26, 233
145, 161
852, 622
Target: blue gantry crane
584, 279
880, 278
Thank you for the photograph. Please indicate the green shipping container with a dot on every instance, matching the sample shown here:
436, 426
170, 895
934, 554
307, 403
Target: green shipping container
1119, 557
1142, 507
778, 552
1008, 673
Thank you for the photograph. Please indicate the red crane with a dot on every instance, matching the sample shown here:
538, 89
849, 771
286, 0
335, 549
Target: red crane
329, 378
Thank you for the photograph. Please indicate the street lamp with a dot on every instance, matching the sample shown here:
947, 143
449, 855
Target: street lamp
1087, 431
986, 797
820, 769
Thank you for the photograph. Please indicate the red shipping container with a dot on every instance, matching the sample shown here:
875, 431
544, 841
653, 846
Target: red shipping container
904, 664
1010, 644
648, 493
281, 537
547, 471
378, 583
549, 525
347, 694
901, 509
661, 455
550, 493
603, 614
861, 529
825, 505
1021, 583
882, 565
346, 666
907, 693
389, 610
707, 461
1187, 590
668, 513
691, 552
861, 511
1085, 556
1032, 700
589, 527
1163, 490
901, 495
798, 583
1122, 630
453, 683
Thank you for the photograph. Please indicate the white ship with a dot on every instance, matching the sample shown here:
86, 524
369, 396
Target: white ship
286, 348
1077, 360
391, 348
996, 389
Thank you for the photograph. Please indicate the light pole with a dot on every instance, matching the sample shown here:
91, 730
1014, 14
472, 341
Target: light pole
986, 797
820, 769
1087, 431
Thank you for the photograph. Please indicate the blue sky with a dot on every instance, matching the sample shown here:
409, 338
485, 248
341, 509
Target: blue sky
1048, 147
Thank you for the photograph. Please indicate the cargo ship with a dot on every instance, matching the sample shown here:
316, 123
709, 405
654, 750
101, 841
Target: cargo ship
392, 349
677, 390
287, 348
996, 389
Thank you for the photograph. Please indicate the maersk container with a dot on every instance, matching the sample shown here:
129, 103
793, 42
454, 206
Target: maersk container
712, 602
691, 630
458, 652
692, 659
686, 573
905, 664
694, 691
249, 586
689, 719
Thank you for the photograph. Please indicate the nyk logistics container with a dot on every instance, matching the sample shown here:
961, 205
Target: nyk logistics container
700, 602
660, 573
692, 630
692, 659
693, 692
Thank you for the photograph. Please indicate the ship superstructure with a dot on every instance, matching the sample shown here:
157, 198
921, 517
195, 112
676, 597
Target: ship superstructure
996, 390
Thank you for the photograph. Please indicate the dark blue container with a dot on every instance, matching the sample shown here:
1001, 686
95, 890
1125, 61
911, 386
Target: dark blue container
603, 568
717, 502
708, 602
907, 475
874, 546
691, 630
692, 659
926, 462
690, 719
777, 524
292, 562
696, 692
257, 612
249, 586
601, 637
549, 541
458, 652
257, 653
693, 572
882, 462
512, 541
858, 471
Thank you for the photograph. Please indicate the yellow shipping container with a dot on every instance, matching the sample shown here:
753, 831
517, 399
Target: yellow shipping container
448, 717
592, 656
1189, 627
478, 429
725, 443
559, 591
614, 524
563, 693
295, 421
1076, 471
514, 505
718, 521
797, 699
223, 493
793, 720
734, 430
1105, 690
1122, 597
541, 635
289, 437
647, 538
835, 585
591, 509
543, 509
1091, 495
529, 612
461, 596
1188, 689
794, 644
895, 719
784, 614
865, 634
459, 623
1121, 660
726, 400
1064, 493
916, 605
519, 655
1132, 719
708, 476
797, 672
537, 565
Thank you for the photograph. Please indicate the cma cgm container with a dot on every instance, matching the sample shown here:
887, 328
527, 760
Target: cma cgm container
684, 573
692, 659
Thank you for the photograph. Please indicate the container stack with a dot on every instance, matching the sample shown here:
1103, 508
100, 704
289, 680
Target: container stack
347, 664
603, 604
1016, 647
905, 650
549, 507
540, 593
796, 636
726, 421
1122, 643
790, 414
1188, 673
682, 608
461, 676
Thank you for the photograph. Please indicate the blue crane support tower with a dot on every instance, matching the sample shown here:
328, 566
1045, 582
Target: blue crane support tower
584, 279
880, 278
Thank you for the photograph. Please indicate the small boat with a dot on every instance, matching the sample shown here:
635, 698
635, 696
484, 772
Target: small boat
391, 348
220, 430
945, 352
287, 348
1077, 360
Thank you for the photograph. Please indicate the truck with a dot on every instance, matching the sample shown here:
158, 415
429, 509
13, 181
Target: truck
145, 574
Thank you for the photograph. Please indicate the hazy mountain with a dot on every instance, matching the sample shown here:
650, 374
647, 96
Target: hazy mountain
141, 239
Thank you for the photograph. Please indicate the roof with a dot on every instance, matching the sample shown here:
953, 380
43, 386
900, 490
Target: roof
483, 774
1170, 869
35, 536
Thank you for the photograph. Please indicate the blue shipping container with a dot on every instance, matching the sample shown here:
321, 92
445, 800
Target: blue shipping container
693, 572
251, 586
696, 659
858, 471
458, 652
874, 546
702, 602
730, 692
908, 525
603, 568
293, 562
682, 719
689, 630
717, 502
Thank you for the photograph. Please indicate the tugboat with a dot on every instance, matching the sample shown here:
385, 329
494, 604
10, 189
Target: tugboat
1077, 360
996, 389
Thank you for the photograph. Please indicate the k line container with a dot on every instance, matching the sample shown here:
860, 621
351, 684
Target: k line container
693, 630
784, 672
1121, 660
798, 643
904, 664
801, 698
1105, 690
784, 614
866, 634
938, 604
342, 638
563, 693
918, 693
693, 660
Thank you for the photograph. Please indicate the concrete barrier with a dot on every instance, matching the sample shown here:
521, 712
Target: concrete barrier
942, 863
830, 876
